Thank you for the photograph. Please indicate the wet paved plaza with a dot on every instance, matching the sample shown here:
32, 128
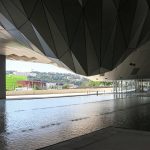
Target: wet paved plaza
37, 123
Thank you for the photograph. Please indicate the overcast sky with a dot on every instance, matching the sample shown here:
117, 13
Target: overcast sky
22, 66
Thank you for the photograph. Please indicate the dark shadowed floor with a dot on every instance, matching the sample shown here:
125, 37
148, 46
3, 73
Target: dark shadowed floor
107, 139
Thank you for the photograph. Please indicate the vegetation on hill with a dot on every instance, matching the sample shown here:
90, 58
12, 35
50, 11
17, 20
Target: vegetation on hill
58, 78
66, 80
99, 83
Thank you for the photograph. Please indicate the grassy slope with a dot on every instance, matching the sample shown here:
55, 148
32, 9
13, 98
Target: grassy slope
11, 81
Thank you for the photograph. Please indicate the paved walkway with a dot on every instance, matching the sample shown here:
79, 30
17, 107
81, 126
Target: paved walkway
52, 95
107, 139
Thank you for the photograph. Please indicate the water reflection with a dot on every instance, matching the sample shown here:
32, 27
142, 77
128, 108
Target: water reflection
32, 124
3, 128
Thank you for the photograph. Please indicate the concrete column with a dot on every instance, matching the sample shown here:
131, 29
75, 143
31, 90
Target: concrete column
121, 87
116, 87
2, 77
113, 88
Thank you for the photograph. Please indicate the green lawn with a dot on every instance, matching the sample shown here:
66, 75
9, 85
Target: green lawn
11, 81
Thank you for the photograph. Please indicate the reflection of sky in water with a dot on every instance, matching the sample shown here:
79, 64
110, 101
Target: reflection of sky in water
37, 123
30, 113
53, 102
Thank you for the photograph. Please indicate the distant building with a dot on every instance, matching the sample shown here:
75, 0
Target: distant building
50, 85
72, 86
32, 84
59, 85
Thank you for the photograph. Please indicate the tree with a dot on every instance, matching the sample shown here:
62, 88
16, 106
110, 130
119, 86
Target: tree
66, 86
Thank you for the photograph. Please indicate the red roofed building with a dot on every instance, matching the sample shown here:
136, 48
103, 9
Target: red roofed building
32, 84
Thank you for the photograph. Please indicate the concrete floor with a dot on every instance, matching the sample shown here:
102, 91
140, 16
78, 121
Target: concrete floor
107, 139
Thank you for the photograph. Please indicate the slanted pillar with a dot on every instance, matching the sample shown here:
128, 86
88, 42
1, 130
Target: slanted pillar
2, 77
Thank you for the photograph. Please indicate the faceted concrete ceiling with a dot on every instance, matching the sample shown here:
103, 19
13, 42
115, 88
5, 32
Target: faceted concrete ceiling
89, 36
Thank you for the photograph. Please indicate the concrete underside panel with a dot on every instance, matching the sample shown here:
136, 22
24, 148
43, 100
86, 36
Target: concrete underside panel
89, 37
